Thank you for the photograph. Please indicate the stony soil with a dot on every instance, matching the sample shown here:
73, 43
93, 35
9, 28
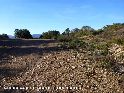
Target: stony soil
46, 68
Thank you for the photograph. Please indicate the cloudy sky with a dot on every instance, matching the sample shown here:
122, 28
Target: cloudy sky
42, 15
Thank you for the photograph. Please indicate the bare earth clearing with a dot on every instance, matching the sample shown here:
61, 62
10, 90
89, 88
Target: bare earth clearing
41, 63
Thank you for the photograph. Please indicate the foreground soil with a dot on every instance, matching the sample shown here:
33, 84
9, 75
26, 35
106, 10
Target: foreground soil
40, 66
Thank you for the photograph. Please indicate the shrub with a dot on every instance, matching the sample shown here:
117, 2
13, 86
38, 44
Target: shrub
74, 44
119, 41
65, 38
102, 46
106, 64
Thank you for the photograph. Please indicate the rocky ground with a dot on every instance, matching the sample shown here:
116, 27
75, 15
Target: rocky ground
47, 68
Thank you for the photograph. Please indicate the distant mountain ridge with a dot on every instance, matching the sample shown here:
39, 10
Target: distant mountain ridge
33, 35
11, 36
36, 35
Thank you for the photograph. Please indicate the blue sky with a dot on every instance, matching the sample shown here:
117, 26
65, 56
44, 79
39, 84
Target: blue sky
42, 15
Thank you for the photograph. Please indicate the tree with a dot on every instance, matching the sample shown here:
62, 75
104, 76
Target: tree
22, 33
97, 32
75, 30
51, 34
45, 35
84, 31
66, 32
4, 36
41, 36
87, 28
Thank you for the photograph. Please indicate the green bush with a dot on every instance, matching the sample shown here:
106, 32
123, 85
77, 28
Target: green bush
106, 64
74, 44
102, 46
119, 41
104, 52
64, 38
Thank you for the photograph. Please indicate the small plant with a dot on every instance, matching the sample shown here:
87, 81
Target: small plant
106, 64
119, 41
104, 48
65, 38
101, 46
73, 44
76, 43
104, 52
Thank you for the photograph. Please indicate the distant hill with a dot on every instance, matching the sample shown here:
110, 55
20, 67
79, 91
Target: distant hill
36, 35
11, 37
